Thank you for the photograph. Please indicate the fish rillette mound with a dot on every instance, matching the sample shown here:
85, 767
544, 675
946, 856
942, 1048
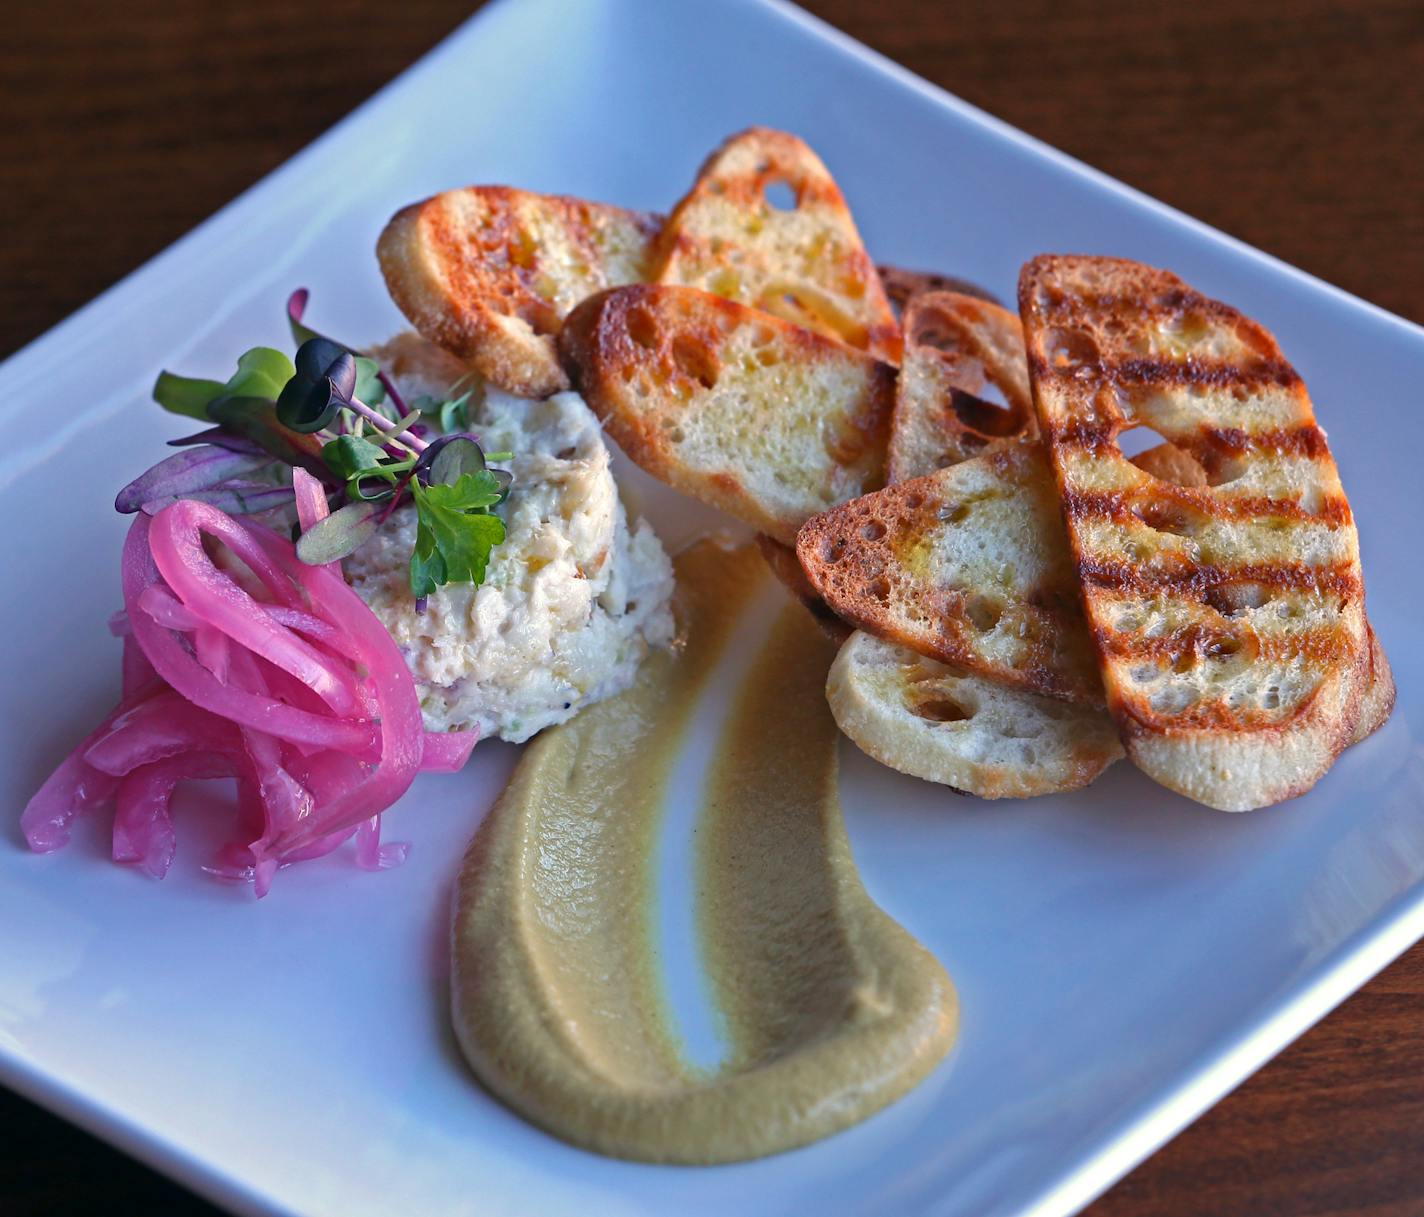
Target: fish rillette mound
572, 601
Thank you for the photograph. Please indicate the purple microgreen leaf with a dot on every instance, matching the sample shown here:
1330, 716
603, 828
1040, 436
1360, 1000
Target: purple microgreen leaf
255, 418
185, 472
219, 438
236, 498
296, 307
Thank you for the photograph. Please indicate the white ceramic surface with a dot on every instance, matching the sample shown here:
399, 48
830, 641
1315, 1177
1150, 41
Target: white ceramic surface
1123, 957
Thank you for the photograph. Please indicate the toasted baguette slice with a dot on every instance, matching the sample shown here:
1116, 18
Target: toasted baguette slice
1228, 618
902, 285
968, 566
787, 568
804, 261
752, 414
954, 344
489, 273
944, 725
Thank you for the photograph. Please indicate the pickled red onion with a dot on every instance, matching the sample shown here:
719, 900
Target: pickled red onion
301, 696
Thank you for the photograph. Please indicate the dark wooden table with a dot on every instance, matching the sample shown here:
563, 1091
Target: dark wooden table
1297, 125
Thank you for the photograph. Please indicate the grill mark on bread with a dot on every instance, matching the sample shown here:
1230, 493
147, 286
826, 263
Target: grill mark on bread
1305, 439
1316, 647
1196, 579
1160, 372
1118, 505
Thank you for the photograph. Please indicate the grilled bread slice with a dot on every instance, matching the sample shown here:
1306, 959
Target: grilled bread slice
489, 273
967, 566
752, 414
944, 725
802, 261
954, 345
902, 285
1228, 618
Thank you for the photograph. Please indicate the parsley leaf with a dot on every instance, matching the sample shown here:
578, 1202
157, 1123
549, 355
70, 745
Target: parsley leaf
455, 531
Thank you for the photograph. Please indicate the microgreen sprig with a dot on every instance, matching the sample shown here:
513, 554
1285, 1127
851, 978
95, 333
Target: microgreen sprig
329, 411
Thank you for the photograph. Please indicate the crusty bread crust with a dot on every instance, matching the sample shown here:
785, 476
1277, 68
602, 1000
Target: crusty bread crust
489, 273
1228, 618
805, 262
1377, 701
954, 346
967, 566
768, 421
966, 732
902, 285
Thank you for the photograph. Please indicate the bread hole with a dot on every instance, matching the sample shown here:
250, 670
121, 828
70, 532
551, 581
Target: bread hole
1222, 648
872, 530
780, 195
1069, 349
831, 549
953, 513
914, 500
676, 435
1171, 518
1184, 331
983, 415
941, 708
1135, 439
1163, 461
878, 589
1143, 674
696, 360
1271, 698
983, 613
642, 328
1236, 599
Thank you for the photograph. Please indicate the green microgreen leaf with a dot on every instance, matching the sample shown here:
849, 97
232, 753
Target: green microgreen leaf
348, 455
368, 381
338, 535
185, 395
261, 372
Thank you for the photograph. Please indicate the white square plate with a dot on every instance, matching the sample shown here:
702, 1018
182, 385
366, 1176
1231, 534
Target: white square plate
1123, 957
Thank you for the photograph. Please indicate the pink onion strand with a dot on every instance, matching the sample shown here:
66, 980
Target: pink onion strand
252, 667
